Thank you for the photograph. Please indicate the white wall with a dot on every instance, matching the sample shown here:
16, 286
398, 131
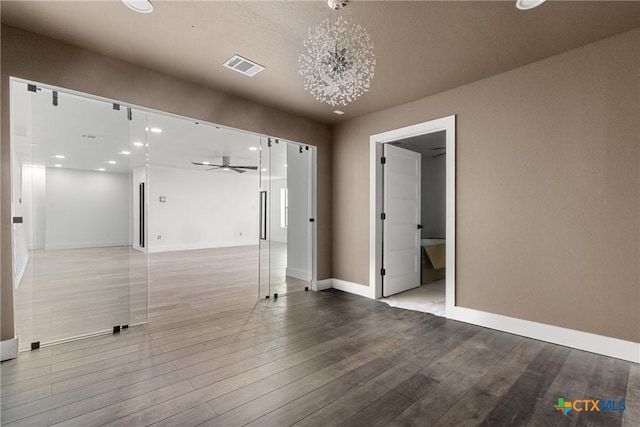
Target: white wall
33, 205
433, 212
276, 233
299, 167
86, 209
202, 209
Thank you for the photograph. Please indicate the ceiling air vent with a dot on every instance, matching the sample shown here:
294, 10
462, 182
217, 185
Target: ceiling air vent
243, 66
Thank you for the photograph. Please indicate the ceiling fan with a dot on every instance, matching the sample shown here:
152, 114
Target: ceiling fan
226, 165
439, 154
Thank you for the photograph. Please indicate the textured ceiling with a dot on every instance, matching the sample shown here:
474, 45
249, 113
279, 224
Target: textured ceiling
422, 48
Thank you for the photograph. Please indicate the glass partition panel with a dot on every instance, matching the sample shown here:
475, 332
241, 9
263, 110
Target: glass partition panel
138, 250
286, 191
78, 219
119, 208
264, 217
28, 220
278, 214
203, 225
299, 170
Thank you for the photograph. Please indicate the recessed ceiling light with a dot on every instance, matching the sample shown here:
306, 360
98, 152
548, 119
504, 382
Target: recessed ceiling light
206, 163
338, 112
111, 162
59, 156
141, 6
528, 4
138, 144
156, 130
57, 166
101, 169
253, 148
263, 170
125, 152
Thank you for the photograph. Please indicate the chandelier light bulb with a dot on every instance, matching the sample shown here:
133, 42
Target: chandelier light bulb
338, 62
337, 4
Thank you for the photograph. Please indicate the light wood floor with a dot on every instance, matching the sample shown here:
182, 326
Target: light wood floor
220, 357
74, 292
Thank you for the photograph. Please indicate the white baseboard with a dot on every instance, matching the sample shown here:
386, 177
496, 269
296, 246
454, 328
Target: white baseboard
324, 284
171, 248
351, 287
85, 245
298, 274
8, 349
599, 344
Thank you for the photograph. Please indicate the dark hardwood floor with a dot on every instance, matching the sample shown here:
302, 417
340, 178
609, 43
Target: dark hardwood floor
212, 355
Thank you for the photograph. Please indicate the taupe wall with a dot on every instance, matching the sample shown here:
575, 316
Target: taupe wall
37, 58
548, 189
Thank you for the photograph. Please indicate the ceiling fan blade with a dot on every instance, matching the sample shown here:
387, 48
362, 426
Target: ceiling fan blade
214, 168
204, 164
235, 169
438, 148
438, 155
253, 168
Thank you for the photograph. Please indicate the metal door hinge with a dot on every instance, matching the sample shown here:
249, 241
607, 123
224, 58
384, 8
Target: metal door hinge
383, 271
383, 160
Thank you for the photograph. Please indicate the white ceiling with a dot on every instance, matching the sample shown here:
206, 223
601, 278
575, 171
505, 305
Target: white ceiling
42, 131
422, 47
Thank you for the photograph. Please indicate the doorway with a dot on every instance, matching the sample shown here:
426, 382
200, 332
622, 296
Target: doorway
405, 254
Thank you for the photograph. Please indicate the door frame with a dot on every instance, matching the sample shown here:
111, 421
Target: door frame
447, 124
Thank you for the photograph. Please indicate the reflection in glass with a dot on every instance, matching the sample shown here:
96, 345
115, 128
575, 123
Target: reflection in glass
75, 161
203, 228
285, 250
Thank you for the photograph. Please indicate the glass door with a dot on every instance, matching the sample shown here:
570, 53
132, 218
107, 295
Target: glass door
76, 158
264, 290
139, 212
286, 219
278, 214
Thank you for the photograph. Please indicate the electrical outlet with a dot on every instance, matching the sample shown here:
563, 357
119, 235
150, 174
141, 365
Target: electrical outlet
241, 233
159, 237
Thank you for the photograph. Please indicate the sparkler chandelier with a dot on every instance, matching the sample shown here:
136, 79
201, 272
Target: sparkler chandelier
338, 62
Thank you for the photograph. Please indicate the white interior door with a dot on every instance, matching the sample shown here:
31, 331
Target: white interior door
401, 206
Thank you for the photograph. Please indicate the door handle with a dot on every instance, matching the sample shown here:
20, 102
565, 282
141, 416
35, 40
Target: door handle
419, 226
263, 215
